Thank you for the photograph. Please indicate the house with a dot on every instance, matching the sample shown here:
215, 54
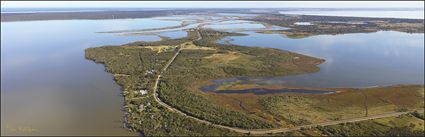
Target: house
141, 106
149, 72
143, 92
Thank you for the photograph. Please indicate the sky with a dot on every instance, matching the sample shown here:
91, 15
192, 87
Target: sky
212, 4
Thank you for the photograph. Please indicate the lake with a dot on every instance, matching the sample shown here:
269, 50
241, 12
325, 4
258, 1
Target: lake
48, 87
352, 60
215, 88
410, 14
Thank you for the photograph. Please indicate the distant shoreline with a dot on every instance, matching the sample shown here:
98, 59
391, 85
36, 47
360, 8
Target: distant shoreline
102, 14
98, 15
105, 14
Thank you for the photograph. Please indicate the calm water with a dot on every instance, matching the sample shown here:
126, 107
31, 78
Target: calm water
237, 14
45, 10
352, 60
47, 84
174, 34
412, 14
239, 25
258, 91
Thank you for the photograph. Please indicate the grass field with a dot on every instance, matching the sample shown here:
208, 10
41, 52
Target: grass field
404, 125
159, 49
301, 109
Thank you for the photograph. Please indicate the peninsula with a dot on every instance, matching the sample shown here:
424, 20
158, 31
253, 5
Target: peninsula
162, 83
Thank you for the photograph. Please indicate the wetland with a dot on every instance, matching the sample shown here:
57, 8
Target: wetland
239, 70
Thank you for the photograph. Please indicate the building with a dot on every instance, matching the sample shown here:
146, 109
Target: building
143, 92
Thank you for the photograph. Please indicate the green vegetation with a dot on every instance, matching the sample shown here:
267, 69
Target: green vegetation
195, 65
134, 68
338, 25
136, 65
191, 35
419, 115
405, 125
307, 109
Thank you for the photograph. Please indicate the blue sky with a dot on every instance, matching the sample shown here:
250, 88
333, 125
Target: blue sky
214, 4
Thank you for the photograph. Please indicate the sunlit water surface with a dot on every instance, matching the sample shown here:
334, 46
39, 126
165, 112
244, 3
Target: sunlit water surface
47, 85
352, 60
410, 14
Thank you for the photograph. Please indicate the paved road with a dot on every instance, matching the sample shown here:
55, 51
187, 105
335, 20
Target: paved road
256, 131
